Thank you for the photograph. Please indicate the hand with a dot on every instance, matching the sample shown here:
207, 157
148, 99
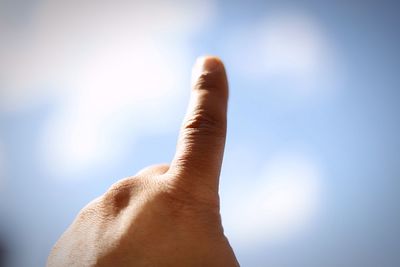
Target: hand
164, 215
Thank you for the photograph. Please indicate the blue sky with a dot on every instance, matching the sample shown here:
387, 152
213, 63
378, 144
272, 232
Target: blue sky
91, 92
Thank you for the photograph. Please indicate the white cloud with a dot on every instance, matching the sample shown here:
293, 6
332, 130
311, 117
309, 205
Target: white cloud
62, 35
275, 205
115, 67
287, 45
128, 91
292, 44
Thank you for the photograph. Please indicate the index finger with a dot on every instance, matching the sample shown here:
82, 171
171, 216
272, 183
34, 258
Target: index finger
202, 137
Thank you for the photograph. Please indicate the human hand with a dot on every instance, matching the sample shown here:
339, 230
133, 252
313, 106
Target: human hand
164, 215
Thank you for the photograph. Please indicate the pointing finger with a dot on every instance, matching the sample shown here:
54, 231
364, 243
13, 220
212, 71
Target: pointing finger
202, 138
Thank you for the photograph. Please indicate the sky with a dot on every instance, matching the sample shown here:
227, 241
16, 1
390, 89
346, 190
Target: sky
93, 91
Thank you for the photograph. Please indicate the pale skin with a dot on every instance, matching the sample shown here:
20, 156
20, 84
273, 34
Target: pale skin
165, 215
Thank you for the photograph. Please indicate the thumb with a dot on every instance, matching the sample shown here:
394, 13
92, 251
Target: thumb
202, 138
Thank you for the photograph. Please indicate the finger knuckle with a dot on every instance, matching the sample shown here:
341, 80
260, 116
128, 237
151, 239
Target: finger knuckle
119, 195
212, 81
206, 80
204, 123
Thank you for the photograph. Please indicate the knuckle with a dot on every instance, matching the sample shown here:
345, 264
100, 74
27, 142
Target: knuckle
121, 185
118, 196
210, 81
204, 123
206, 80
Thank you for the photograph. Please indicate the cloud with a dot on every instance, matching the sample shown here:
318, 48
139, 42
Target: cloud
276, 204
287, 45
47, 49
114, 68
125, 89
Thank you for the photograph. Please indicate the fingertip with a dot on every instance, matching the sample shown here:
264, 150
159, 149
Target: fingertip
209, 63
209, 74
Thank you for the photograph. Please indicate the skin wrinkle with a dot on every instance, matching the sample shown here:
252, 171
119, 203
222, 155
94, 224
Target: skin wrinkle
204, 124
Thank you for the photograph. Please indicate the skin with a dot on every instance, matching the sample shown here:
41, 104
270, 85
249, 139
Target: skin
165, 215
